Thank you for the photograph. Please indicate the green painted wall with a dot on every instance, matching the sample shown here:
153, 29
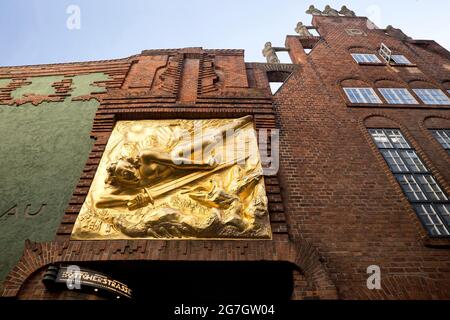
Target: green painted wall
38, 86
4, 83
43, 150
84, 84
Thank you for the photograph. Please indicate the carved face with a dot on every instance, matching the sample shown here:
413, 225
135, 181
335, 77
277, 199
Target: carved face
124, 172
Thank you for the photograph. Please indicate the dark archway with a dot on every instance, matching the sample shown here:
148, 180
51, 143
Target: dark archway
205, 281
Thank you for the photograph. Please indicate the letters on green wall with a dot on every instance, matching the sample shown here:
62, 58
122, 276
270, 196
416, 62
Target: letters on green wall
43, 151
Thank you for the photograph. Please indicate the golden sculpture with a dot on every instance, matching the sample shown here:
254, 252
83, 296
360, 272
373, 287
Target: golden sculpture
177, 179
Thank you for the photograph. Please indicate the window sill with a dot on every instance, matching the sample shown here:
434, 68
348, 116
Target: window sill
403, 65
380, 64
437, 242
398, 106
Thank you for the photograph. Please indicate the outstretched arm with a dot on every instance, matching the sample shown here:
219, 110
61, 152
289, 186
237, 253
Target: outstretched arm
131, 202
176, 162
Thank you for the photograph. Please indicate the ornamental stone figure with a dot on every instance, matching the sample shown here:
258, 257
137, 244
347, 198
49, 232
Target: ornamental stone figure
269, 53
314, 11
302, 30
329, 11
347, 12
396, 33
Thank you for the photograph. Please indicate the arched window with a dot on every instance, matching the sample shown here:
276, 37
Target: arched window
429, 200
440, 129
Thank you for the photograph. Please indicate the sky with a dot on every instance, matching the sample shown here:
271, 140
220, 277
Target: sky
46, 31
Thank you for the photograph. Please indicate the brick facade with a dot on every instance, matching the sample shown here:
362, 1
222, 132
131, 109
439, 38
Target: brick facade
340, 194
335, 207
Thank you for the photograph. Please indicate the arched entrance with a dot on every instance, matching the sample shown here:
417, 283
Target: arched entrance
204, 281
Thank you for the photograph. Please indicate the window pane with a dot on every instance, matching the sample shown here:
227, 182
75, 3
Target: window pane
431, 188
380, 138
443, 137
397, 139
394, 161
413, 161
411, 188
365, 58
428, 214
398, 96
400, 59
362, 95
432, 96
370, 95
444, 212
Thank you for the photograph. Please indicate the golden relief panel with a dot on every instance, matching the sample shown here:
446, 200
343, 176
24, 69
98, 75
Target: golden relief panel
177, 179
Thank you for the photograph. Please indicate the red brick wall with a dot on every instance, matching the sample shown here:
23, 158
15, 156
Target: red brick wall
339, 193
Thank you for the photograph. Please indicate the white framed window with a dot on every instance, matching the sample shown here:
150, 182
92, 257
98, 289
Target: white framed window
394, 160
432, 96
365, 58
413, 161
431, 188
400, 59
434, 217
443, 137
397, 139
430, 202
411, 188
381, 139
362, 95
398, 96
385, 52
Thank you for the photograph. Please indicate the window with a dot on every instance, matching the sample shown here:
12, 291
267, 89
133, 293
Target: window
365, 58
397, 96
432, 96
429, 201
385, 52
355, 32
443, 137
362, 95
400, 59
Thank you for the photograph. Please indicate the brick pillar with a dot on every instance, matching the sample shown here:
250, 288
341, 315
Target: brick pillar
296, 50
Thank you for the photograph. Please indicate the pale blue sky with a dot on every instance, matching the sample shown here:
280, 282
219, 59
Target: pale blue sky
34, 31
